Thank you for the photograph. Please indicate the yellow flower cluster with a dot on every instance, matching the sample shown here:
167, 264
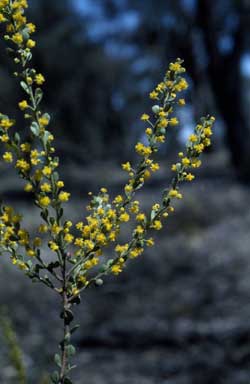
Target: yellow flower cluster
166, 94
13, 236
37, 167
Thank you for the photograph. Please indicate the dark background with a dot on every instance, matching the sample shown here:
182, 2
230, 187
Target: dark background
181, 313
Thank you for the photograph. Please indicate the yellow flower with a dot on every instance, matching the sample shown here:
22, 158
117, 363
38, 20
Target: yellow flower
22, 165
134, 207
79, 242
75, 291
208, 132
17, 38
121, 248
31, 27
128, 188
116, 269
154, 167
46, 187
193, 138
91, 263
30, 43
89, 245
44, 201
64, 196
150, 242
23, 105
153, 95
25, 147
141, 217
53, 246
145, 117
69, 238
29, 80
163, 123
160, 139
142, 149
82, 279
157, 225
31, 252
185, 161
47, 171
118, 199
189, 177
60, 184
2, 18
173, 121
126, 167
56, 229
146, 175
4, 138
124, 217
39, 79
8, 157
28, 187
22, 266
6, 123
3, 3
43, 121
135, 253
37, 242
173, 193
175, 67
43, 228
139, 230
182, 85
181, 102
149, 131
196, 163
101, 239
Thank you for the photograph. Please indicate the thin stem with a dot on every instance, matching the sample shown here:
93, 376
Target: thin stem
67, 316
65, 340
65, 326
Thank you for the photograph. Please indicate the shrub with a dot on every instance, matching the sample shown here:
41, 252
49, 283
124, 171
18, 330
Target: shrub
78, 262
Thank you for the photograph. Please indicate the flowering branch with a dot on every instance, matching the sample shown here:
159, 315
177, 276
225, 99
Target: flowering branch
78, 260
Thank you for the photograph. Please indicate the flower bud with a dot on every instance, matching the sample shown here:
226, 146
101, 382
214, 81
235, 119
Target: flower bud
156, 109
99, 282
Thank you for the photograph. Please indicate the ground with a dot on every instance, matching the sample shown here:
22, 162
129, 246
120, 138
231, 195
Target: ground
177, 315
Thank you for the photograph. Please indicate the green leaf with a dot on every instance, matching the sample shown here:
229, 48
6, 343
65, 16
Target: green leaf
153, 214
58, 360
52, 220
73, 329
35, 129
60, 215
55, 377
44, 214
68, 316
17, 138
25, 87
46, 116
70, 350
38, 95
45, 138
25, 33
55, 176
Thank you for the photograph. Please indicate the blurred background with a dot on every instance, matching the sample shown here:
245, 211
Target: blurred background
181, 313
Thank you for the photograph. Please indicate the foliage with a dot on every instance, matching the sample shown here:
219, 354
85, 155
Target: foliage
14, 351
76, 251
